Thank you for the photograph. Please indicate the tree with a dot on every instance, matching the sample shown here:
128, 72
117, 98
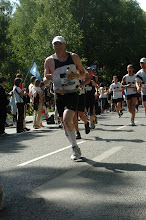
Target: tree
109, 33
7, 64
114, 33
34, 25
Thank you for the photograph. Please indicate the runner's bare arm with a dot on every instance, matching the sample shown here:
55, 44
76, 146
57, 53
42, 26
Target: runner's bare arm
123, 82
94, 84
48, 69
138, 86
110, 90
79, 66
87, 79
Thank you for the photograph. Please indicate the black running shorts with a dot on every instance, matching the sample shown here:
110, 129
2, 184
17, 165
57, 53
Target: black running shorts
90, 102
82, 103
143, 97
115, 101
128, 97
66, 101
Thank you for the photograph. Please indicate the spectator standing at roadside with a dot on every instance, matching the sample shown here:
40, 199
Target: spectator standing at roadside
30, 88
13, 107
25, 99
20, 76
18, 94
38, 103
3, 105
42, 86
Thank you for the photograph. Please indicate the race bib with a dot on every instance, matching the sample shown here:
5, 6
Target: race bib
88, 88
133, 85
116, 89
65, 81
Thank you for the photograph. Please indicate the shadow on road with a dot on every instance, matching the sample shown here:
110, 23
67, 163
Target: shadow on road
115, 166
19, 183
120, 140
13, 142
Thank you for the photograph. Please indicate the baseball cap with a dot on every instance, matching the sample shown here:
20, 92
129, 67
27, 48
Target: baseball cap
59, 39
143, 60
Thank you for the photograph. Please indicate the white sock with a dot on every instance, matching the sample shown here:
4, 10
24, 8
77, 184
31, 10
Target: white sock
72, 137
67, 135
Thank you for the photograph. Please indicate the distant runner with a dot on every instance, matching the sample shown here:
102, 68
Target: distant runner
141, 81
128, 82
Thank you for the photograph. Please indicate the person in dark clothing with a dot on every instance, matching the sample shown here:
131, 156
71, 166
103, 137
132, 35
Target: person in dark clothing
3, 105
18, 94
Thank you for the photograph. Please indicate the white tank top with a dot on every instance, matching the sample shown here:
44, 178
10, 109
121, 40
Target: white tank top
59, 76
141, 77
116, 88
128, 80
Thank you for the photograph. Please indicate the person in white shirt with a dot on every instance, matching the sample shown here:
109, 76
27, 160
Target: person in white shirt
18, 95
38, 103
31, 86
103, 97
117, 95
141, 81
128, 83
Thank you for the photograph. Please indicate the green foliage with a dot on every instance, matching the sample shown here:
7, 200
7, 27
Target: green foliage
110, 33
8, 65
114, 33
34, 25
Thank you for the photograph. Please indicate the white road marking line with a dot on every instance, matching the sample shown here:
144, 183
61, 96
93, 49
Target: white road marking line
121, 127
124, 126
47, 155
107, 153
62, 186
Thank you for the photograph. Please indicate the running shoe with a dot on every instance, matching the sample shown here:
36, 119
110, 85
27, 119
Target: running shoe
87, 128
93, 126
121, 112
3, 134
95, 120
26, 129
76, 153
78, 135
132, 122
60, 125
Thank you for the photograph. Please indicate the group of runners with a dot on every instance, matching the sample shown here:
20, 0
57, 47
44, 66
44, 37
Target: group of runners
75, 87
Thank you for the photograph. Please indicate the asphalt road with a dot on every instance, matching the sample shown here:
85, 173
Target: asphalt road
40, 181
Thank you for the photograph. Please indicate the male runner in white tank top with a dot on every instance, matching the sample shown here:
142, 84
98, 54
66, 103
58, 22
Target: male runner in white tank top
117, 95
129, 83
141, 81
65, 86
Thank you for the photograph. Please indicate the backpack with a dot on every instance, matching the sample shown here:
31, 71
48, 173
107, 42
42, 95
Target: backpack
50, 120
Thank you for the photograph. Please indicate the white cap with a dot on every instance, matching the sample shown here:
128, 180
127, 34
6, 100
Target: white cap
143, 60
59, 39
